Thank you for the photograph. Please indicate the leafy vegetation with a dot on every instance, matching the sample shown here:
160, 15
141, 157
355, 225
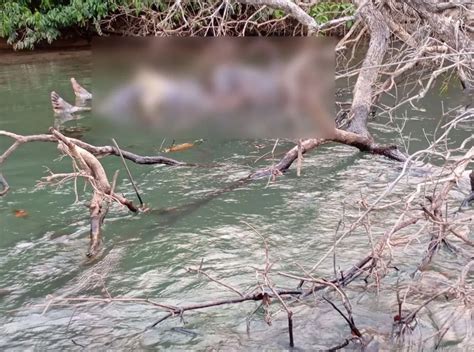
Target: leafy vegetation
326, 11
25, 23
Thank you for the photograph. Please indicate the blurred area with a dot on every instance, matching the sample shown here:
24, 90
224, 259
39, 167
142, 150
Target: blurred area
217, 87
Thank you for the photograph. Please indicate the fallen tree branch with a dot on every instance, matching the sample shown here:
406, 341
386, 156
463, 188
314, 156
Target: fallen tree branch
349, 319
357, 269
103, 192
97, 151
361, 142
258, 296
440, 227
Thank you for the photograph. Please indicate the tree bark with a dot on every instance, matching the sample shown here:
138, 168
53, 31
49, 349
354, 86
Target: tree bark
102, 190
379, 35
448, 31
288, 7
361, 142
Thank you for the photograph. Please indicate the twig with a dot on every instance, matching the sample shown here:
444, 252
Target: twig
200, 271
299, 158
5, 186
128, 172
349, 320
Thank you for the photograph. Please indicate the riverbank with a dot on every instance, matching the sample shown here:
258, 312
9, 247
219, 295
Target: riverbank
58, 50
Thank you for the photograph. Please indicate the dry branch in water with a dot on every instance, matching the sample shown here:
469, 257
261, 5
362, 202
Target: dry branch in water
444, 48
372, 265
363, 143
86, 165
97, 151
440, 224
103, 192
447, 43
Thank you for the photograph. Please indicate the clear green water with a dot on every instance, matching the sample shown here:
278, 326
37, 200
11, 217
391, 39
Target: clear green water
146, 255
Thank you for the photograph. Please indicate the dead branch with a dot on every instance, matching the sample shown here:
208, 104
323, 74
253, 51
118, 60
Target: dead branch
102, 191
361, 142
219, 282
405, 321
289, 7
379, 35
96, 151
470, 197
128, 173
440, 227
340, 346
447, 30
258, 296
349, 319
362, 265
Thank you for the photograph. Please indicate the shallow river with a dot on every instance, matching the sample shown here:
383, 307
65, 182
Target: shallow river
42, 254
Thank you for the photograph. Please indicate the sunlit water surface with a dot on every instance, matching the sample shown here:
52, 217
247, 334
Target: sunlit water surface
42, 255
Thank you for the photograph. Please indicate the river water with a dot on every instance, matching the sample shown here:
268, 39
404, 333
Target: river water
42, 254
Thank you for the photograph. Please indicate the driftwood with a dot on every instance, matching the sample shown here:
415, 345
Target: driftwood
103, 192
87, 166
381, 20
361, 142
97, 151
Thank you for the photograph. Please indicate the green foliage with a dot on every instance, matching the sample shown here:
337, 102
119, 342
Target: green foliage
278, 14
27, 22
326, 11
446, 83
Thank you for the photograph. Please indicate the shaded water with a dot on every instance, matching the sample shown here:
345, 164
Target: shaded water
146, 255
